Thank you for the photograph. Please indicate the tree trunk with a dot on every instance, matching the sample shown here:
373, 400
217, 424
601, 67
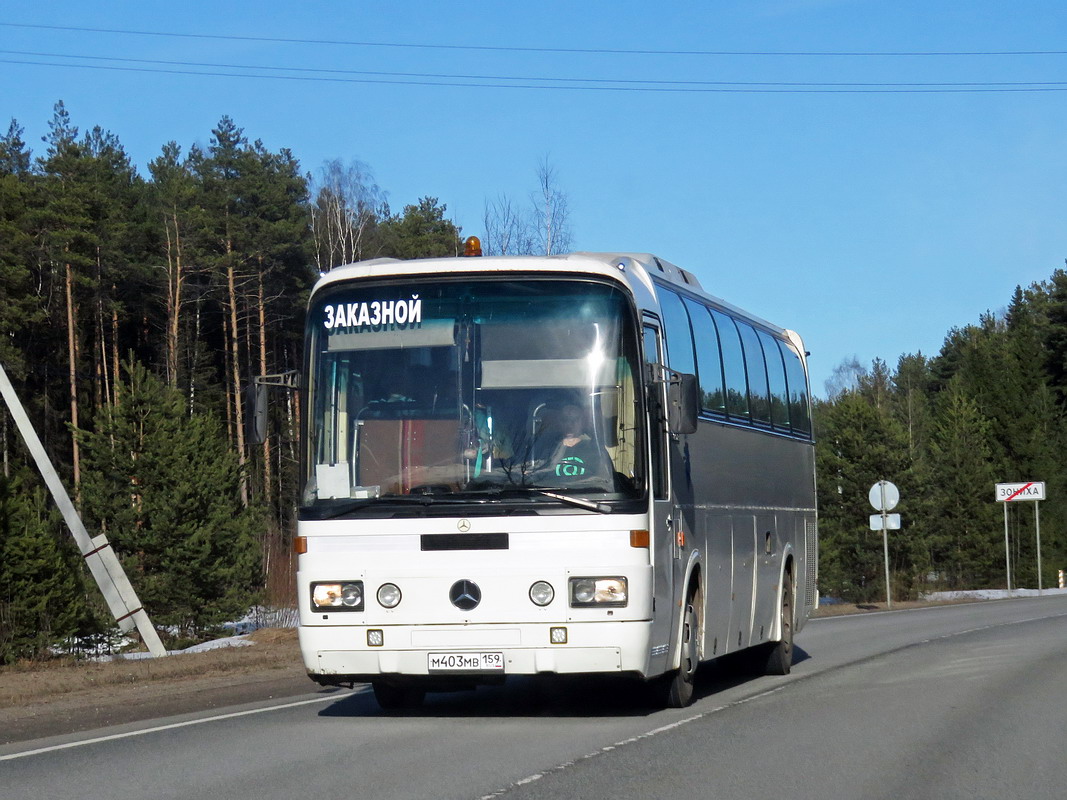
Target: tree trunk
115, 354
175, 282
72, 358
235, 376
268, 490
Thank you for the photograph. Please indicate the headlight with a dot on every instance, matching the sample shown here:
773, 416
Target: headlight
339, 596
599, 592
542, 593
389, 595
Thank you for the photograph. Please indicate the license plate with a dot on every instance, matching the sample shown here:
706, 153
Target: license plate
466, 662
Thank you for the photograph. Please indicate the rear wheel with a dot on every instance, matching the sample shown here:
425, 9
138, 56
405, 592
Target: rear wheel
780, 654
398, 698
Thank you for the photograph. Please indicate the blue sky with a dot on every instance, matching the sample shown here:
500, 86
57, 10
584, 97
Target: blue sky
870, 222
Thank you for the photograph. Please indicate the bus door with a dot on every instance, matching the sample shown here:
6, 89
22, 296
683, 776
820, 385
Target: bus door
666, 554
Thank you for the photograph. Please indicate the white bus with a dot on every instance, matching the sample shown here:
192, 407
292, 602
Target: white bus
578, 464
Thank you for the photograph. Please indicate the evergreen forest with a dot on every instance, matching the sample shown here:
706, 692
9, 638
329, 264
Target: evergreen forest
135, 306
134, 309
987, 409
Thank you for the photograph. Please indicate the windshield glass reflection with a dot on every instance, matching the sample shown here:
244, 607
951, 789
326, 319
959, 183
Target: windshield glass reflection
448, 389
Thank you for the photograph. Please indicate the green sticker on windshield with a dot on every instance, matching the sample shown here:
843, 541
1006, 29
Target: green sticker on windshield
570, 467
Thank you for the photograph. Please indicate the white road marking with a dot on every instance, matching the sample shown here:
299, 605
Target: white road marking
129, 734
647, 735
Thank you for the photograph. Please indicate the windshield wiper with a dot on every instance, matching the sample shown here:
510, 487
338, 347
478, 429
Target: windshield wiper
333, 512
497, 491
592, 505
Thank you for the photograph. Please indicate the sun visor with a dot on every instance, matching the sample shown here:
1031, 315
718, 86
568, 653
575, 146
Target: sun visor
571, 373
431, 333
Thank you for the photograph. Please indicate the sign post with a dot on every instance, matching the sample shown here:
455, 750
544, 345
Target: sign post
884, 497
1014, 492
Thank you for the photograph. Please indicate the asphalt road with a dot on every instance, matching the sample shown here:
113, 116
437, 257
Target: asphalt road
950, 702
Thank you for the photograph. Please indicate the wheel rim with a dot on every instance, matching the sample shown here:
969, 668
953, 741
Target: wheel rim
689, 659
787, 617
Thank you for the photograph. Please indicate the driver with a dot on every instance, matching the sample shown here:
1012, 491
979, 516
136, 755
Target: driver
577, 455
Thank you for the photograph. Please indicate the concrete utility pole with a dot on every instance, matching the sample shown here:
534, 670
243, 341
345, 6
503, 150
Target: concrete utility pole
100, 558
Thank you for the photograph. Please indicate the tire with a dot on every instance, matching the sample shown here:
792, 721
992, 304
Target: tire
676, 688
397, 698
779, 659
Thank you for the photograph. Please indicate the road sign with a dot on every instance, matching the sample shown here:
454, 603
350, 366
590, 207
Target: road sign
884, 496
1013, 492
892, 522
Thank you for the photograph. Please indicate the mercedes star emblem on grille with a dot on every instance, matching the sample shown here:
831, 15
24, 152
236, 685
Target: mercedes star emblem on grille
465, 594
464, 525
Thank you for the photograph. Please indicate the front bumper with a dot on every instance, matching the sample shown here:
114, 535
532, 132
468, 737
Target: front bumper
341, 654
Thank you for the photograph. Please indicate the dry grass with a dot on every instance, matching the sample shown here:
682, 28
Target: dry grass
274, 649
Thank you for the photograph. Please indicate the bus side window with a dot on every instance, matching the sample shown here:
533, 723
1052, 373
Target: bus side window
733, 363
799, 411
656, 432
677, 333
776, 379
756, 369
651, 346
709, 362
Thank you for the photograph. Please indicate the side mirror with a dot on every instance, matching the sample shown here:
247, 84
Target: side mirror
256, 412
683, 402
256, 402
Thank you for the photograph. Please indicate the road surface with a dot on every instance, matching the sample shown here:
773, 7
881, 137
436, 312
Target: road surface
963, 701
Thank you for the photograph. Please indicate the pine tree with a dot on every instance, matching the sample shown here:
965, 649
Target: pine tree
422, 232
165, 488
19, 310
42, 590
858, 445
63, 226
963, 535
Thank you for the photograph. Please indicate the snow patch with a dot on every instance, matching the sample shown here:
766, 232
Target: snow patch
990, 594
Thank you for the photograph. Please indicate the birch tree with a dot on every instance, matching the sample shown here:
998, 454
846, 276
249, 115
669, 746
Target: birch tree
346, 208
551, 211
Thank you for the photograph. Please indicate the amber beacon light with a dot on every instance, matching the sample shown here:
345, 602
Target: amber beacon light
473, 246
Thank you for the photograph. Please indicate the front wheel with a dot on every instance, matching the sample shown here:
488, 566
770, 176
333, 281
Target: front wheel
676, 688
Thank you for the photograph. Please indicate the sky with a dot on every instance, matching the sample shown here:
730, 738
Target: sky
793, 154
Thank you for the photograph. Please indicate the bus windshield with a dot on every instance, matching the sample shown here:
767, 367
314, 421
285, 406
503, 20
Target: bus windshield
472, 389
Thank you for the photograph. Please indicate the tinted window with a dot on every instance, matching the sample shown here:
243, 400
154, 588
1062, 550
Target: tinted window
659, 443
776, 381
799, 412
758, 397
733, 365
677, 333
709, 362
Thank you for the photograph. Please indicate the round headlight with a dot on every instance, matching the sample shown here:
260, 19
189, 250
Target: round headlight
351, 594
542, 593
389, 595
584, 591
